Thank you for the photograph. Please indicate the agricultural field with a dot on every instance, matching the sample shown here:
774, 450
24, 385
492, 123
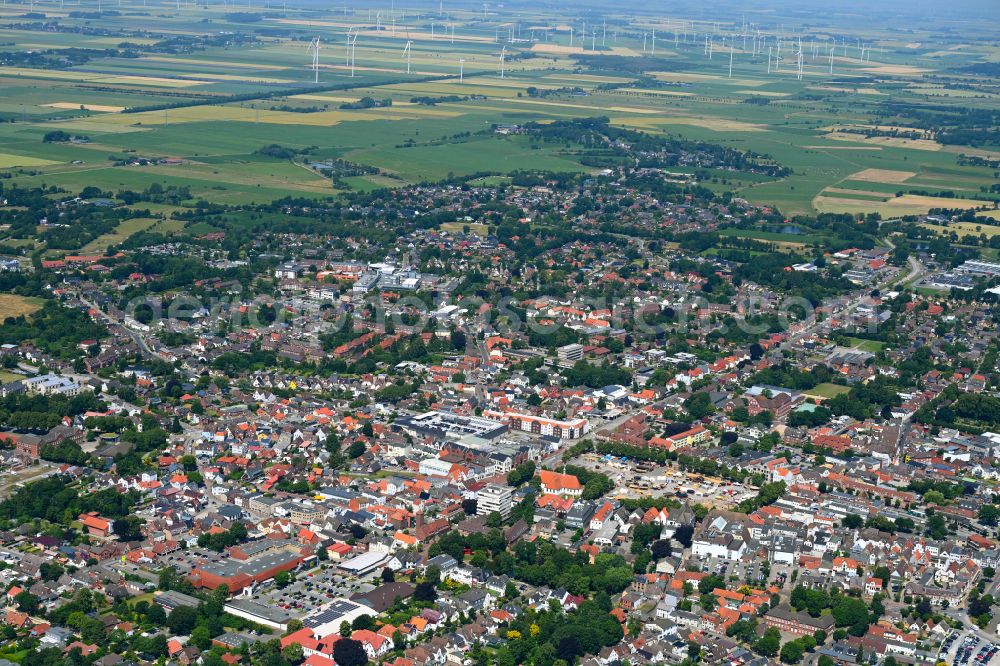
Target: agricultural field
124, 230
419, 99
12, 305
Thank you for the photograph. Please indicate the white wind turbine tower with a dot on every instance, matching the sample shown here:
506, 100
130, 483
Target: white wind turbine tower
798, 61
653, 44
406, 52
461, 70
314, 47
503, 54
832, 48
768, 59
353, 52
730, 61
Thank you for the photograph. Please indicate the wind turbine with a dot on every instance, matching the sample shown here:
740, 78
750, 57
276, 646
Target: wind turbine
353, 52
406, 52
347, 62
314, 47
503, 54
461, 70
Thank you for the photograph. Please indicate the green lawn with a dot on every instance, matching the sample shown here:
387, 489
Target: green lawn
145, 596
16, 656
871, 346
828, 390
8, 377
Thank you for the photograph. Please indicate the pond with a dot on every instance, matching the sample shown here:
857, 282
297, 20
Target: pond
785, 229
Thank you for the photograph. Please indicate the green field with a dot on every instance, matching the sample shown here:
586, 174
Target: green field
829, 390
810, 126
7, 377
871, 346
124, 230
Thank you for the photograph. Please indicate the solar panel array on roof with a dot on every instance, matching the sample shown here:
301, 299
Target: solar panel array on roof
336, 610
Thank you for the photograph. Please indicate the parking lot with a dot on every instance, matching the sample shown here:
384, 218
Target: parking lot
752, 573
969, 650
310, 590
